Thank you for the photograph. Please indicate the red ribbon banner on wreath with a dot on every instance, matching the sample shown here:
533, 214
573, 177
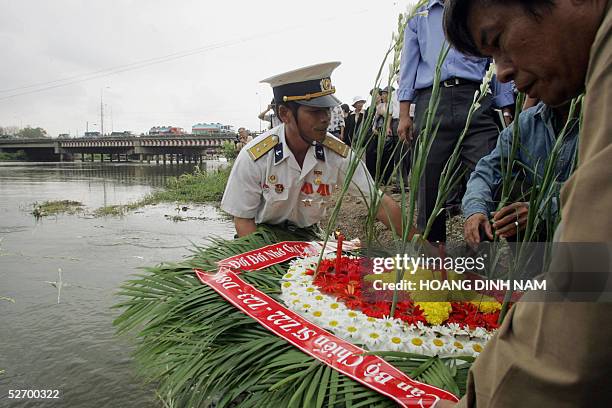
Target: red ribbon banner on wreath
347, 358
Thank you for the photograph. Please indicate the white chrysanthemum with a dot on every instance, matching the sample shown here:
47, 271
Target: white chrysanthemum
479, 332
389, 324
349, 332
396, 342
474, 348
458, 346
417, 343
300, 294
440, 345
353, 315
373, 338
305, 306
337, 307
332, 323
318, 314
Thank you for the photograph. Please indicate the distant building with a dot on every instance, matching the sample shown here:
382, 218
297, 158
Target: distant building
125, 133
166, 130
92, 134
206, 128
63, 136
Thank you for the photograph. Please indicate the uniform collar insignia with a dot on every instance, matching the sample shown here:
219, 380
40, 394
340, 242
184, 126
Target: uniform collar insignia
320, 152
278, 153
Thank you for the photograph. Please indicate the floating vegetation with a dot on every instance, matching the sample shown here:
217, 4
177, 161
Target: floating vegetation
48, 208
197, 187
7, 299
111, 210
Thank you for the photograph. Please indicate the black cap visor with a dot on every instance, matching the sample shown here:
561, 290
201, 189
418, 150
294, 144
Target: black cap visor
327, 101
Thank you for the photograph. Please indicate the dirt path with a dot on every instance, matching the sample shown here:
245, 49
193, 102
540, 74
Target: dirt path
353, 213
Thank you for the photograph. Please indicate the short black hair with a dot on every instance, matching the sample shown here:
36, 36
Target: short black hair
291, 105
345, 108
456, 14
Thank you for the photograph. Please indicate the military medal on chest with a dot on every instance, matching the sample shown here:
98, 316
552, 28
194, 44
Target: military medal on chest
279, 188
318, 174
272, 179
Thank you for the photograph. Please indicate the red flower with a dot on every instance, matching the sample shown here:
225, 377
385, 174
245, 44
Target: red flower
345, 285
378, 309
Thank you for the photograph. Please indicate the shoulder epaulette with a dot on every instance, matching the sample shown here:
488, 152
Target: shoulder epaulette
263, 147
336, 145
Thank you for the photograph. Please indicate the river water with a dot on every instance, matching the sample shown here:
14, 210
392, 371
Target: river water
72, 346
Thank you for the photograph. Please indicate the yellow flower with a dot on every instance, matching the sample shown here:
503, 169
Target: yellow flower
417, 341
477, 347
488, 307
435, 312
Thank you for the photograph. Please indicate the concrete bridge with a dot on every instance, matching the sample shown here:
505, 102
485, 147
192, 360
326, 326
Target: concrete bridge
185, 148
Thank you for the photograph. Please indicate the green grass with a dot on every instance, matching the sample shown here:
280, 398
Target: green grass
197, 187
56, 207
19, 155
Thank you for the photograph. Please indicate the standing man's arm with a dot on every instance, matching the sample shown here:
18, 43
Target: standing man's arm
409, 62
503, 98
262, 115
405, 129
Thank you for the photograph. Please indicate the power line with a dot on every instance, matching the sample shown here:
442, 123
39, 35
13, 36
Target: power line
58, 83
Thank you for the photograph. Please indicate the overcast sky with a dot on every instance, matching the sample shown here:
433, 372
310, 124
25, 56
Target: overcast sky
176, 63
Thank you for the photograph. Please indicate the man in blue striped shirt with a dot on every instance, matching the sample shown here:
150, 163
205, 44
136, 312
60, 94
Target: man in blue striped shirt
461, 77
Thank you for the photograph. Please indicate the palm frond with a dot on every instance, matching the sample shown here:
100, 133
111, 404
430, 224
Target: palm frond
200, 349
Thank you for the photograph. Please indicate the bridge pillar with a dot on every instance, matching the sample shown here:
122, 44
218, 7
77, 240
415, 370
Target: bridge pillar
157, 159
183, 158
140, 156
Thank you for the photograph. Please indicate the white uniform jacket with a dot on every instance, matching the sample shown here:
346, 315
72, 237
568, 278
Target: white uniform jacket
273, 188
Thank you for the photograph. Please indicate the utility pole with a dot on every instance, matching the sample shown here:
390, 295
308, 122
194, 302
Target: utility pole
101, 114
102, 110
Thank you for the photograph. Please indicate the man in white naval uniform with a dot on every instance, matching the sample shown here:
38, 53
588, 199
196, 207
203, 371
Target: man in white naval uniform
288, 174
